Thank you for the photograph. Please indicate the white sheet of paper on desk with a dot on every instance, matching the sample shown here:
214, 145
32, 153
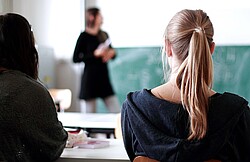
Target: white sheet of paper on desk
92, 143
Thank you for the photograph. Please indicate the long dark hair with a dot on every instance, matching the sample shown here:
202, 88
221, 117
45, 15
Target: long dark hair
17, 45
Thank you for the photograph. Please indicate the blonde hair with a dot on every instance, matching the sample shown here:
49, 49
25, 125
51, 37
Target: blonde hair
190, 35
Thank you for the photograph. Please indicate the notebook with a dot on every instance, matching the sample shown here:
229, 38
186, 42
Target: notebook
92, 144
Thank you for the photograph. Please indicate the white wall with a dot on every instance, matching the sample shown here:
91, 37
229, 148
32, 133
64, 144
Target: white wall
5, 6
56, 25
142, 22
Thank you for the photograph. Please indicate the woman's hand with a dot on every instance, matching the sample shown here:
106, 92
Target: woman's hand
99, 52
110, 53
105, 54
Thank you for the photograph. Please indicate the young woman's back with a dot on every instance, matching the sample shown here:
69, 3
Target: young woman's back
184, 119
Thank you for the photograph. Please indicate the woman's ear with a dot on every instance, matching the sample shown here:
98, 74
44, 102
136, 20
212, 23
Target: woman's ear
168, 48
212, 47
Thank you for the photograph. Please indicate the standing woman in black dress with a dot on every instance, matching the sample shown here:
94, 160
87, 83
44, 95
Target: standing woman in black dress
94, 49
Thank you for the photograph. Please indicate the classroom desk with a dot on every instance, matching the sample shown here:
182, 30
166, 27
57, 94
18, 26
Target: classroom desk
91, 122
113, 153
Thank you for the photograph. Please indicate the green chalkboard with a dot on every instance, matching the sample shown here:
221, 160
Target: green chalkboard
136, 68
232, 70
133, 69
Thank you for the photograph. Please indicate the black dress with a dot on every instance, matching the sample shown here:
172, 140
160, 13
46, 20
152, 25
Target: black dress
95, 80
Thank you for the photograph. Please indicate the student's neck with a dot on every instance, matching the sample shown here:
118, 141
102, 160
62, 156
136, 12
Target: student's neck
92, 31
172, 82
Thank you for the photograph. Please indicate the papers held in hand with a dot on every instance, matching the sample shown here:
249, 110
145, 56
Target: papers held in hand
92, 144
104, 45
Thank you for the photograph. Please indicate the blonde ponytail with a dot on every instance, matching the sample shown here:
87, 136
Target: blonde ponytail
195, 74
194, 80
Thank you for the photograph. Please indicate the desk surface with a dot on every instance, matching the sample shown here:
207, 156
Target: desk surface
113, 153
88, 120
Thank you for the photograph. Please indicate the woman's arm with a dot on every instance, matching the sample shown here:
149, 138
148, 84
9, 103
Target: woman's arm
38, 124
242, 140
78, 52
84, 49
127, 132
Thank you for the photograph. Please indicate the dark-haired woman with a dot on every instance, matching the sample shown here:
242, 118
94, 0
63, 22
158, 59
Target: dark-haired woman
94, 48
29, 129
